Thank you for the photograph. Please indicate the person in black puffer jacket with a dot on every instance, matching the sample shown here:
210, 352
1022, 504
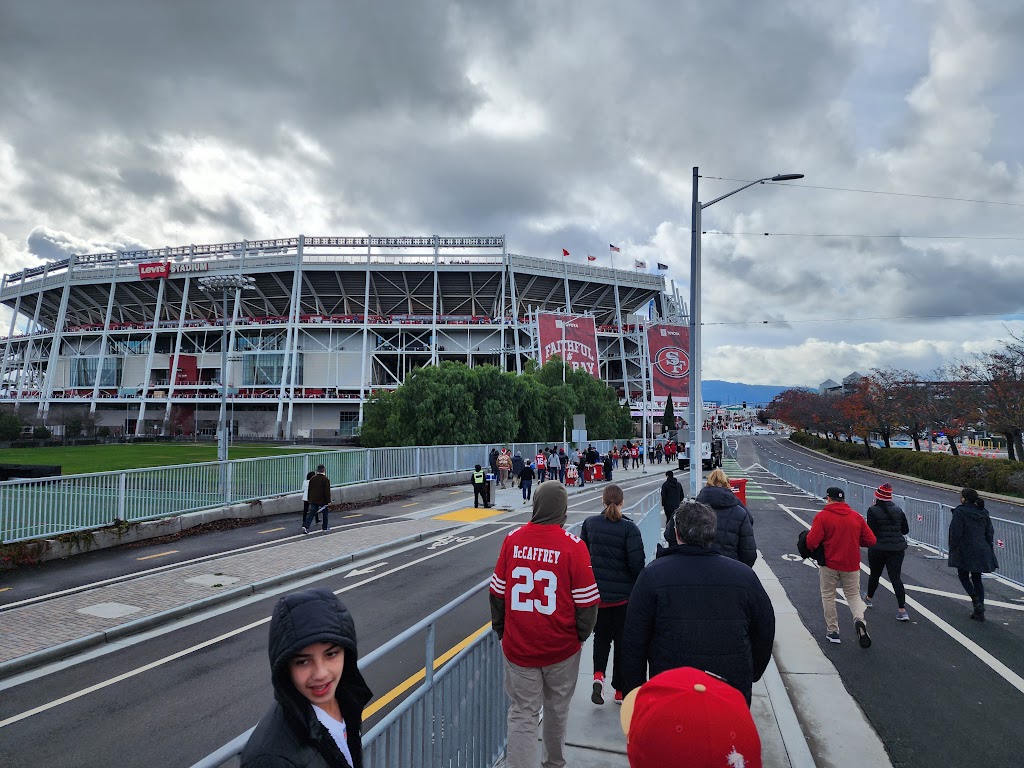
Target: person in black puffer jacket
317, 718
889, 524
693, 607
617, 556
970, 547
735, 535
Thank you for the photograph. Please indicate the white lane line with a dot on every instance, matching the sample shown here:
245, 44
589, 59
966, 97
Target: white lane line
980, 653
213, 641
963, 597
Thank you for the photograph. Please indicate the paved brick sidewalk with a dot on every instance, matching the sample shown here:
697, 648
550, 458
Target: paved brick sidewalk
43, 625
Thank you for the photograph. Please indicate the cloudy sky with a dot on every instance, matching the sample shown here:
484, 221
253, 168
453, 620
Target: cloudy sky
561, 125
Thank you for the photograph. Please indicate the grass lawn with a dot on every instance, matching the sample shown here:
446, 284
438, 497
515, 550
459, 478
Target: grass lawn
104, 458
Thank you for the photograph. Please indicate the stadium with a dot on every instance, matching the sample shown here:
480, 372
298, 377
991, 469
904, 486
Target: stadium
136, 341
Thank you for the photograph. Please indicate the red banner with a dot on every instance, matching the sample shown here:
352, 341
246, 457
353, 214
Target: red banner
154, 270
669, 348
580, 341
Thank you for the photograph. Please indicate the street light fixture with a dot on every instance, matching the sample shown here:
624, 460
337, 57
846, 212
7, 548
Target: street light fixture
210, 285
696, 402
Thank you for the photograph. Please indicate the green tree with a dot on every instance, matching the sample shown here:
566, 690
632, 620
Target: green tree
668, 421
10, 427
40, 433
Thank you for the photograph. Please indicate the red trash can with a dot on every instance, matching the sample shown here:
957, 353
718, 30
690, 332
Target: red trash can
739, 487
599, 472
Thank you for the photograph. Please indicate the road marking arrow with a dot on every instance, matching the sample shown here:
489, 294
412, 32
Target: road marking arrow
366, 570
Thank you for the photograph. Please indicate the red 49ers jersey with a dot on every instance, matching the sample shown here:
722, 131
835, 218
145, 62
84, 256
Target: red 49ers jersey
543, 574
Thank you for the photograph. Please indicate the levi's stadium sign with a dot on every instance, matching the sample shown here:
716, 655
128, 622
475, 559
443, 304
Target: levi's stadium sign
155, 270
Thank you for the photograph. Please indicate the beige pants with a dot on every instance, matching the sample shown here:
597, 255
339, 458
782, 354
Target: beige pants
849, 582
530, 688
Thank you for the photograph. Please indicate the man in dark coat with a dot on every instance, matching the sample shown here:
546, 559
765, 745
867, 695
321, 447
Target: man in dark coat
970, 547
671, 495
319, 496
693, 607
292, 732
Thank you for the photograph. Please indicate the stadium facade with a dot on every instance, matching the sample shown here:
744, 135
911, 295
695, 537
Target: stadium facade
132, 341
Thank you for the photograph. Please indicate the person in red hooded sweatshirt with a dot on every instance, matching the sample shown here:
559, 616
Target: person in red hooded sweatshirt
843, 532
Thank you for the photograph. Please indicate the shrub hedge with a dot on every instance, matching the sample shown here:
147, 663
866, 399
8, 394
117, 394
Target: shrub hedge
992, 475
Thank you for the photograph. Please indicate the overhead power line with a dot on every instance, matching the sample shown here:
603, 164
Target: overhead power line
902, 237
875, 192
863, 319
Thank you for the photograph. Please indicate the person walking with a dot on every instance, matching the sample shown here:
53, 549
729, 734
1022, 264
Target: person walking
543, 601
634, 454
554, 466
319, 692
735, 533
608, 466
493, 460
693, 607
581, 467
481, 488
671, 495
305, 495
517, 467
542, 464
526, 482
617, 555
563, 462
889, 524
970, 547
319, 499
843, 532
504, 466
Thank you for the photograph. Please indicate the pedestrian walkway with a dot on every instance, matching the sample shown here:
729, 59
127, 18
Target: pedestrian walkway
803, 713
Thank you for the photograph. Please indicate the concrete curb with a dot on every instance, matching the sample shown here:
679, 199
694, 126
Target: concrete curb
789, 725
79, 644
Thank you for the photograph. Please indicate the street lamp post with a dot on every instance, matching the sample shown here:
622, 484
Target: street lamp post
210, 286
696, 402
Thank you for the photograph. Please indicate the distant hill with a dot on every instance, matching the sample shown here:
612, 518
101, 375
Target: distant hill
734, 393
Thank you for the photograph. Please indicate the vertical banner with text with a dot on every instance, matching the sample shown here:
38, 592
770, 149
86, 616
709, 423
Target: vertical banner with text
580, 335
669, 348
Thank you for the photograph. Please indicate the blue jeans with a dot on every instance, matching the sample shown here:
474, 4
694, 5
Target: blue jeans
527, 489
314, 510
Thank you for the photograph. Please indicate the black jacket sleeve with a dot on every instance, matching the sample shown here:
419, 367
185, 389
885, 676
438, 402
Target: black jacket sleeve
746, 549
762, 629
586, 620
497, 614
904, 525
635, 556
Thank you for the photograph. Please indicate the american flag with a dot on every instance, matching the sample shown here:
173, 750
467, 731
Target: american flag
614, 247
591, 258
637, 264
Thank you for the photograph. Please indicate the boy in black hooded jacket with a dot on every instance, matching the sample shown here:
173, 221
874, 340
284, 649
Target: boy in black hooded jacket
319, 692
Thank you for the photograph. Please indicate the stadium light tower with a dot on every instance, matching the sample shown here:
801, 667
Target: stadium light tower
696, 403
210, 285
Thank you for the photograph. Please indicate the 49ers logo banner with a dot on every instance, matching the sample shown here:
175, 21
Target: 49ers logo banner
580, 335
669, 347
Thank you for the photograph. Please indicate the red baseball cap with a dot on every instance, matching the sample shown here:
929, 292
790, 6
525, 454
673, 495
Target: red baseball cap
689, 719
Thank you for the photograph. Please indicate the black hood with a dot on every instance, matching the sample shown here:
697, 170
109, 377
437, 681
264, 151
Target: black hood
301, 619
717, 498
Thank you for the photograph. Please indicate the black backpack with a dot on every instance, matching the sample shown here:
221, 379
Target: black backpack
817, 555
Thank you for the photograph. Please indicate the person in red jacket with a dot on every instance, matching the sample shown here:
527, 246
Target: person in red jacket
843, 532
543, 601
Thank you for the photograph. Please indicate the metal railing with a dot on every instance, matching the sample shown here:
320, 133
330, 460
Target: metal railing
46, 507
929, 520
457, 717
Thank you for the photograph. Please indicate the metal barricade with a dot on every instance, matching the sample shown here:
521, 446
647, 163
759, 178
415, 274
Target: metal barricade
928, 520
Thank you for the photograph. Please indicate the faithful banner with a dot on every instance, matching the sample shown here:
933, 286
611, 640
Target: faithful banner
580, 340
669, 347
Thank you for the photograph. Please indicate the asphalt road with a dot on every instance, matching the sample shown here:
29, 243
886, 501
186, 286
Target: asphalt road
931, 687
173, 698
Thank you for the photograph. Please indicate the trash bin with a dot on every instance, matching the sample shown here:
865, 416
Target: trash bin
491, 481
739, 487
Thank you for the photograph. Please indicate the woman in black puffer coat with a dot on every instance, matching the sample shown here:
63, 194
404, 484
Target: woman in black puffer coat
890, 526
735, 535
970, 547
317, 717
617, 555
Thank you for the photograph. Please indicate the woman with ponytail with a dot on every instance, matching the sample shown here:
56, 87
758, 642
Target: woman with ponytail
970, 547
617, 555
